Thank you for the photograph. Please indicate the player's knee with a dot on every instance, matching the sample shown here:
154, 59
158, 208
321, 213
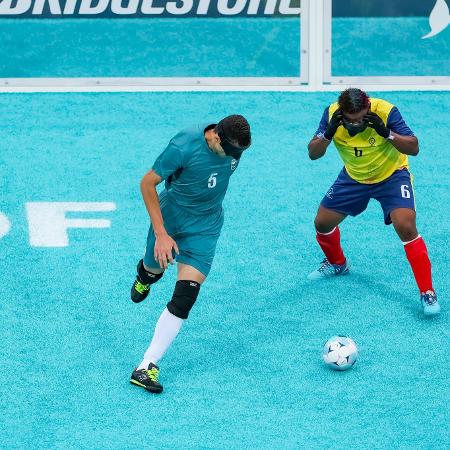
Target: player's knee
145, 276
406, 229
322, 226
184, 297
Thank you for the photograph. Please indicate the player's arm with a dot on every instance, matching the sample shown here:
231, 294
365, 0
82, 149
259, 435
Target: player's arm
317, 147
324, 134
148, 189
164, 243
396, 130
402, 138
408, 145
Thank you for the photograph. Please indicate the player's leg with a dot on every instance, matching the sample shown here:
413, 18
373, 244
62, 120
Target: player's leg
168, 326
176, 312
327, 234
194, 263
329, 238
396, 196
345, 197
146, 276
148, 271
404, 221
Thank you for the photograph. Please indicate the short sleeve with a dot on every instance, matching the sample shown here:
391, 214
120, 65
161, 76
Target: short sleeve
396, 123
169, 161
323, 122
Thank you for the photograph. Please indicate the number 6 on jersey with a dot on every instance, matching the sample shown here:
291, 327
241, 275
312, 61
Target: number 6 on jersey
405, 191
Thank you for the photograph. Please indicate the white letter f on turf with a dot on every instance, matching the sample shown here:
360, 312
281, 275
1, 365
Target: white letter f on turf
48, 224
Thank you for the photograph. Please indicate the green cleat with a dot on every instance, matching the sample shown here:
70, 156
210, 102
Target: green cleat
147, 378
141, 287
139, 291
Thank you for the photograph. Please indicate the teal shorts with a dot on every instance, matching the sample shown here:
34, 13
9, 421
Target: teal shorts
195, 235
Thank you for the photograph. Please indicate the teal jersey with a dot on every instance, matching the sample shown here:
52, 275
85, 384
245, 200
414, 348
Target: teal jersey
196, 178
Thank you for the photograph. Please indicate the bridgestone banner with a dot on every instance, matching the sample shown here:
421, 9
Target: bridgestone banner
146, 8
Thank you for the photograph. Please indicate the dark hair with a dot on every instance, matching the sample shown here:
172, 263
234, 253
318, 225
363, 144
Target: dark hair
237, 129
353, 100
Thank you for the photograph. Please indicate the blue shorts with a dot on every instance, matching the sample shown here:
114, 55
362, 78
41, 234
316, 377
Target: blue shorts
195, 235
349, 197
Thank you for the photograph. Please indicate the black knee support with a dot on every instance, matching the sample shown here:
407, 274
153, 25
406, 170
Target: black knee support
147, 277
183, 298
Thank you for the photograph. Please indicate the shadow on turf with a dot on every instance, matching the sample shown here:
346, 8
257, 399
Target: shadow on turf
382, 290
410, 304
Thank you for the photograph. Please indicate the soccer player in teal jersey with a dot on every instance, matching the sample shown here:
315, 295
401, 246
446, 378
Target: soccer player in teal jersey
186, 220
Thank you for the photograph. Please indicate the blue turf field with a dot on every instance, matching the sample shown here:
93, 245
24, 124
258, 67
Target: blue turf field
246, 370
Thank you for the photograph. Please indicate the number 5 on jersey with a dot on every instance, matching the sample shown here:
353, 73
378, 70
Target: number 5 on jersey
212, 180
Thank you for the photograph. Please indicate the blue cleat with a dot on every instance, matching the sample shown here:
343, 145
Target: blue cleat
430, 303
327, 270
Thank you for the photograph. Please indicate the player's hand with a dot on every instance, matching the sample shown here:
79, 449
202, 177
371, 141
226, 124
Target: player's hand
374, 121
335, 121
163, 251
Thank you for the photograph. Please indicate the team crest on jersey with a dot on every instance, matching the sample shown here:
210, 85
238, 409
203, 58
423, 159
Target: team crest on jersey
372, 141
234, 163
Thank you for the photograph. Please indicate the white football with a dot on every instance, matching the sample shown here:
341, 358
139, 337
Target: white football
340, 353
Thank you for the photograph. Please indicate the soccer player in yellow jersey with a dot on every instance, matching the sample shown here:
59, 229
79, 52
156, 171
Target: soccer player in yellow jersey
374, 142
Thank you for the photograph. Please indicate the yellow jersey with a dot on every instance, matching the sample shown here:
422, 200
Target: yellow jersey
368, 157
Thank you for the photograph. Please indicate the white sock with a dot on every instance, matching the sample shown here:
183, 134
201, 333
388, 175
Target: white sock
166, 330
